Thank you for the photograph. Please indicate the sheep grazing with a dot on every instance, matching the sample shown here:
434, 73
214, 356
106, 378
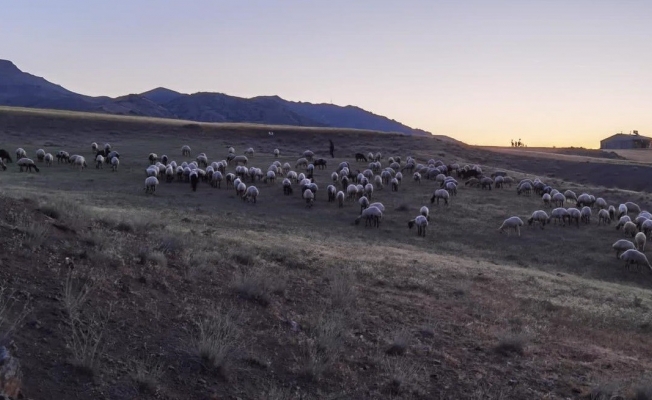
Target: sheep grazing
425, 212
150, 184
632, 207
240, 189
574, 215
94, 147
525, 188
287, 187
40, 155
539, 217
635, 257
332, 192
630, 228
308, 155
251, 194
360, 157
558, 199
622, 210
249, 152
421, 222
511, 223
417, 177
27, 164
48, 159
185, 151
20, 153
4, 156
320, 163
364, 203
153, 158
277, 153
640, 240
99, 161
547, 199
394, 183
622, 245
586, 214
440, 194
115, 163
309, 196
372, 216
603, 217
340, 198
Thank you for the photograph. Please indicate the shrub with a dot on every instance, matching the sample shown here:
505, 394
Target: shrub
511, 343
217, 340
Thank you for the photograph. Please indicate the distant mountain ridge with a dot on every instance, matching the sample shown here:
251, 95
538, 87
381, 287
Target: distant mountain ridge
21, 89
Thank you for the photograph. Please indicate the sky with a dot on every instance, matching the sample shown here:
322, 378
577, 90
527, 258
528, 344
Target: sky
550, 72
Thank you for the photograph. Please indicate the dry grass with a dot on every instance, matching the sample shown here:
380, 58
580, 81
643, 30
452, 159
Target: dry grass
147, 374
217, 340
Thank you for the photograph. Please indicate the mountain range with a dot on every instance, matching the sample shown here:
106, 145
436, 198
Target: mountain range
21, 89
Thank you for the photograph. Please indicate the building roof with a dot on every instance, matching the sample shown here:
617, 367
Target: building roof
626, 136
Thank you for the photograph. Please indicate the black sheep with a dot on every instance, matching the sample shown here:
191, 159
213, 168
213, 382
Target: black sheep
4, 155
194, 179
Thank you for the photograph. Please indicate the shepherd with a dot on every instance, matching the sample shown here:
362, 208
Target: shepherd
332, 149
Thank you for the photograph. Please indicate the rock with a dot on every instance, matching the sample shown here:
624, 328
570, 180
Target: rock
10, 375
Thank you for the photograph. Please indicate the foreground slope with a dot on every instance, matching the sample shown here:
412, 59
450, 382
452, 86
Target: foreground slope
201, 295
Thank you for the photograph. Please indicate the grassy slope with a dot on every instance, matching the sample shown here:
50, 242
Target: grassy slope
316, 302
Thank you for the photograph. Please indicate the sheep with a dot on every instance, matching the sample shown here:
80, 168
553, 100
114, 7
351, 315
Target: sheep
440, 194
150, 184
586, 214
301, 162
514, 223
574, 215
622, 210
603, 217
372, 216
417, 177
4, 156
332, 191
287, 187
560, 215
622, 245
231, 150
240, 189
28, 164
48, 159
394, 184
640, 240
309, 196
600, 203
425, 212
569, 194
107, 147
251, 194
216, 179
99, 161
421, 222
546, 199
194, 180
308, 155
20, 153
633, 256
270, 177
632, 207
378, 157
40, 155
630, 228
360, 157
486, 182
3, 165
115, 162
378, 205
185, 150
622, 221
558, 199
646, 227
539, 216
525, 188
451, 188
498, 182
340, 198
612, 212
351, 191
153, 158
94, 147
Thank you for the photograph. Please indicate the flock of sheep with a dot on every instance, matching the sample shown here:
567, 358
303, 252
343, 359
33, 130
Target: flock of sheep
349, 184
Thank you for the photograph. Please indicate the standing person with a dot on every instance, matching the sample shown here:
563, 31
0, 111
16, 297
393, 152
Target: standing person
512, 142
332, 149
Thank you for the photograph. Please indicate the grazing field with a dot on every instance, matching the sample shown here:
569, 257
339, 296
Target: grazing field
186, 294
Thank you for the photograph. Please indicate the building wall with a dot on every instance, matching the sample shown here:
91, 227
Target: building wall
624, 144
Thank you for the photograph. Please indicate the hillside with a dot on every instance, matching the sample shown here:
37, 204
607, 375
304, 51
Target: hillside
21, 89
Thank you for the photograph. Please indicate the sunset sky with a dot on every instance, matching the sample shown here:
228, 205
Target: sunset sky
551, 72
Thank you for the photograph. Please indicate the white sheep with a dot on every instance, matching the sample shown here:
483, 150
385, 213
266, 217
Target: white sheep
49, 159
378, 205
115, 162
558, 199
27, 164
309, 196
586, 214
630, 228
249, 152
332, 191
603, 217
514, 223
231, 150
94, 147
21, 153
251, 194
185, 150
99, 161
440, 194
301, 162
632, 207
372, 215
633, 256
540, 217
150, 184
621, 246
421, 222
277, 152
569, 194
622, 210
364, 203
425, 212
417, 177
40, 155
308, 155
216, 179
640, 240
352, 191
546, 199
622, 221
601, 203
340, 198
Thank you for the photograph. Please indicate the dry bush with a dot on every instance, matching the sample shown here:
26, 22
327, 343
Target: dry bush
11, 314
146, 375
85, 333
35, 233
342, 289
402, 376
158, 258
324, 347
511, 343
68, 211
258, 285
400, 344
217, 340
605, 391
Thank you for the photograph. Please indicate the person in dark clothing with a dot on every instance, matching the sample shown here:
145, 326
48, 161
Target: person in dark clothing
332, 149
